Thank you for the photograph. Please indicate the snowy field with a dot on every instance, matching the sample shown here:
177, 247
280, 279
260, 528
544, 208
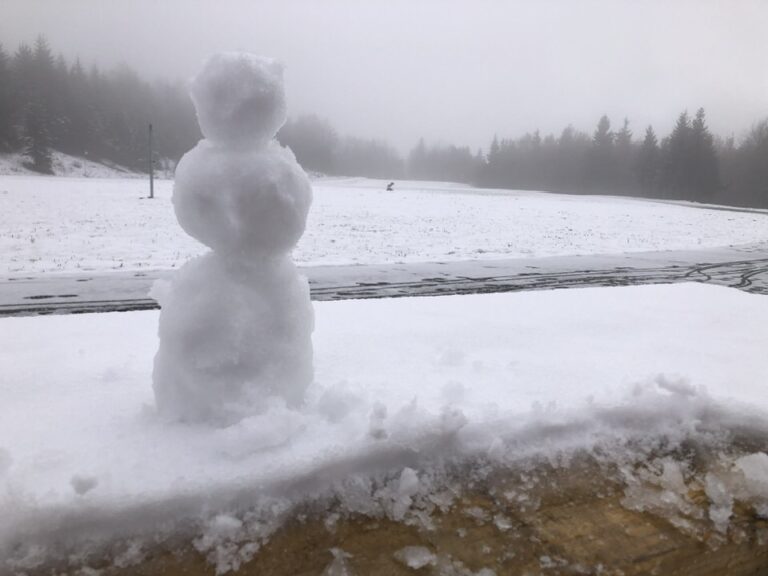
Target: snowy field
75, 224
400, 386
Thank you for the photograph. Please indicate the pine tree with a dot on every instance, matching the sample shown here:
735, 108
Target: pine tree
494, 150
603, 137
416, 162
82, 127
676, 160
37, 140
623, 165
624, 136
61, 112
490, 172
751, 184
6, 108
23, 68
43, 84
647, 165
21, 93
43, 64
569, 167
705, 169
600, 173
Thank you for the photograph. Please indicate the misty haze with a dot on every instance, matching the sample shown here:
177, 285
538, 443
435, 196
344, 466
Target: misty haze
383, 288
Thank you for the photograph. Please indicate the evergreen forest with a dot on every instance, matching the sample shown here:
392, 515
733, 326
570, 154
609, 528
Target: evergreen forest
48, 103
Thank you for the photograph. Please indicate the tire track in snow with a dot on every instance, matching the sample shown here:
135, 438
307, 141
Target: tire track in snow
120, 293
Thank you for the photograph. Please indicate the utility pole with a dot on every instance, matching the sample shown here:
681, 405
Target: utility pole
151, 166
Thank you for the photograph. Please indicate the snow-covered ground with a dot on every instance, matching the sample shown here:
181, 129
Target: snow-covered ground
400, 387
74, 224
403, 389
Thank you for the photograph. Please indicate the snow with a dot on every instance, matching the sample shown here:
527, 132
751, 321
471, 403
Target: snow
239, 99
250, 201
236, 323
339, 566
416, 557
401, 387
66, 165
76, 224
231, 336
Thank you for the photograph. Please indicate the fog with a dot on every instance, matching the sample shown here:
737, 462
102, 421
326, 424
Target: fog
449, 71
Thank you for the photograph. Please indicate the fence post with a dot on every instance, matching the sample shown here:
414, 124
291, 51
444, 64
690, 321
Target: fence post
151, 166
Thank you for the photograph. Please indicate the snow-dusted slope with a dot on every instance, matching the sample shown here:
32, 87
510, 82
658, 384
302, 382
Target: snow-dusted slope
65, 165
74, 224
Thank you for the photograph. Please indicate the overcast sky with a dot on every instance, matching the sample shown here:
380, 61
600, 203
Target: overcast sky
450, 71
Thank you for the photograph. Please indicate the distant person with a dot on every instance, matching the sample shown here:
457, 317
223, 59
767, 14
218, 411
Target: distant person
390, 186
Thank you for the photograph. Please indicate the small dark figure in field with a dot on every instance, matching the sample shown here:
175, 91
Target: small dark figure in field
390, 186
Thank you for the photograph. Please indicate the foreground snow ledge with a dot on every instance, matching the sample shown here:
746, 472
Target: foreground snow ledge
402, 387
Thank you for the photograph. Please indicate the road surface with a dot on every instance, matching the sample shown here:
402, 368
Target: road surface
745, 268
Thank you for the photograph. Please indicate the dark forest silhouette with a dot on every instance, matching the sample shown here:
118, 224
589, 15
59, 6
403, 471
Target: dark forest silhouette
47, 103
689, 164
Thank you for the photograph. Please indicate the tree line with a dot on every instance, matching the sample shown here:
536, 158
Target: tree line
319, 148
48, 103
688, 164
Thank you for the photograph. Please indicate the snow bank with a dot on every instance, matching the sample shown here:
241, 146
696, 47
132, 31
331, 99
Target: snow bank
406, 393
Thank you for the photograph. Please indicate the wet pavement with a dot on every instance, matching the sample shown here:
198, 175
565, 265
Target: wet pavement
743, 267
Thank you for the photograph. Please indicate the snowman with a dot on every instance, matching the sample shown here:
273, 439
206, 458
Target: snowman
236, 323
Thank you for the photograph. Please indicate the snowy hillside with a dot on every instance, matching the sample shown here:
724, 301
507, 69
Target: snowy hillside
66, 165
75, 224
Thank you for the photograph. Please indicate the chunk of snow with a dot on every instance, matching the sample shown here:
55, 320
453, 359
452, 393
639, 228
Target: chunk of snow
721, 502
408, 484
132, 555
416, 557
754, 467
377, 429
502, 522
755, 470
679, 386
339, 566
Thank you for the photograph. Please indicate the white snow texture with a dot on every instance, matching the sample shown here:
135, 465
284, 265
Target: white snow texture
236, 323
240, 99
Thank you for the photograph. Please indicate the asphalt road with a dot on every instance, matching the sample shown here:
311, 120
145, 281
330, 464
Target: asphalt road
745, 268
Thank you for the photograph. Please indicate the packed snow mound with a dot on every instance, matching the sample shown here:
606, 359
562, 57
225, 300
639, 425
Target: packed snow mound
236, 324
242, 201
239, 99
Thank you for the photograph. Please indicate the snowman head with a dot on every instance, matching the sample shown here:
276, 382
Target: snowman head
239, 98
